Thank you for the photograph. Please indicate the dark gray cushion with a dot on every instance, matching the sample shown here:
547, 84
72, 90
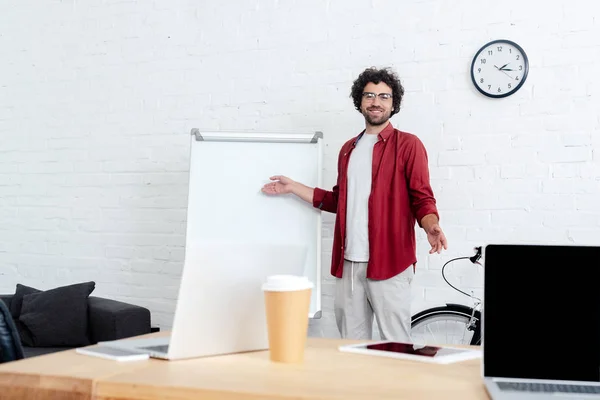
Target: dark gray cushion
56, 317
7, 299
17, 300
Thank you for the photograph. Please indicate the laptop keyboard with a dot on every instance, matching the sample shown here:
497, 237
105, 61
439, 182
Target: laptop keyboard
163, 348
548, 387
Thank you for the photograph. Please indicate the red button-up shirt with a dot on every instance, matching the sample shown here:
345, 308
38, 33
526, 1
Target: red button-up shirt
401, 196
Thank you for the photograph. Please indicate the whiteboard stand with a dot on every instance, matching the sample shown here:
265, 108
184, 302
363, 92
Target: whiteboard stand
227, 171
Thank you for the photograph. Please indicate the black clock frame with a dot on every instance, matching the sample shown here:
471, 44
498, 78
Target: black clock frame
525, 68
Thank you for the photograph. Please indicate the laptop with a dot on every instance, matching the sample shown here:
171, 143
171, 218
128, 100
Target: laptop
220, 307
541, 322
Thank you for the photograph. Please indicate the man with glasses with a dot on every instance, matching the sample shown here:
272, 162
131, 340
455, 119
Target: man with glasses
382, 191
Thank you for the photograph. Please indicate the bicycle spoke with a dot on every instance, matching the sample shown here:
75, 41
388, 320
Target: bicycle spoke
454, 319
443, 329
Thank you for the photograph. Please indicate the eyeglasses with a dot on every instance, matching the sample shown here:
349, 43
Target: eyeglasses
382, 96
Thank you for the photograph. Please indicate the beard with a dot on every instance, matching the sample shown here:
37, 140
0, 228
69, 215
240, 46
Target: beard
379, 119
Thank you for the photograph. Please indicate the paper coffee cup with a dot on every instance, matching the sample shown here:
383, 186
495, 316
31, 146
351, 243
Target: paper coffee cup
287, 303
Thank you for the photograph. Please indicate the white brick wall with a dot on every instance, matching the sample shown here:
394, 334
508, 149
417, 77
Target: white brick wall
96, 102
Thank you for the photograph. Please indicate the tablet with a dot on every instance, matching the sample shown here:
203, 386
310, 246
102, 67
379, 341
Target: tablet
112, 353
411, 351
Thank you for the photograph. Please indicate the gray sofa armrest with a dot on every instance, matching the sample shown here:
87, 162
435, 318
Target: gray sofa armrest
112, 320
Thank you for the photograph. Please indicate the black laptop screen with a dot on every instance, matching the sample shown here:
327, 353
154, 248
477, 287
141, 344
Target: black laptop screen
541, 312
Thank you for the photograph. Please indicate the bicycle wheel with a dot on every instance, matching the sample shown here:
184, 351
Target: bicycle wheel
446, 325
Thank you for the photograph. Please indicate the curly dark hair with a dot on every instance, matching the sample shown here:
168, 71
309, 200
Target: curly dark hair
374, 75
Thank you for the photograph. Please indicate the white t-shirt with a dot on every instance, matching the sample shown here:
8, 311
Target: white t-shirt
360, 168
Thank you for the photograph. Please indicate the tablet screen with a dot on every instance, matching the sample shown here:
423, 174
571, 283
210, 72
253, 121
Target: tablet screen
409, 348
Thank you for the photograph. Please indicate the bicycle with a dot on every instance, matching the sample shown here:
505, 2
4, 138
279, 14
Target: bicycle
461, 324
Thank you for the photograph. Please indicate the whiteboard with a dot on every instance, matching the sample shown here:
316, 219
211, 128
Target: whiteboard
225, 203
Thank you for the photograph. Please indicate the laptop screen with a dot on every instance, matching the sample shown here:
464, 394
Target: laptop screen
541, 312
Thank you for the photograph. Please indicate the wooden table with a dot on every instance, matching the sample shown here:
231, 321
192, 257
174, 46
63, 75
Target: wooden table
326, 373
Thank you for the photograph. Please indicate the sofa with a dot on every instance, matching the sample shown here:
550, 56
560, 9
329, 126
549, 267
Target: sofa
106, 320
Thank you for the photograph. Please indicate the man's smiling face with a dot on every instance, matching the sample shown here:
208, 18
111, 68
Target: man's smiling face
376, 110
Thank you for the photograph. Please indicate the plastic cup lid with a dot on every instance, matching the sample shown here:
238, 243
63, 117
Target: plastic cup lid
286, 283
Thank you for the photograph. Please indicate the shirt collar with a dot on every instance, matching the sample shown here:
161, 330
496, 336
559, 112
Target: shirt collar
384, 134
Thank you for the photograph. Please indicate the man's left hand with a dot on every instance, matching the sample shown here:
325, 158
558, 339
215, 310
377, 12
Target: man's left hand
437, 239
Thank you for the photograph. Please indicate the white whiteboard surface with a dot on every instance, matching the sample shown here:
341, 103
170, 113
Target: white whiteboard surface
225, 203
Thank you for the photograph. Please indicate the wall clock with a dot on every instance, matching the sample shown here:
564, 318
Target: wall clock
499, 68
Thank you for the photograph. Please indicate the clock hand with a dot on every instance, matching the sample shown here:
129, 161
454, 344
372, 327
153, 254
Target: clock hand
502, 69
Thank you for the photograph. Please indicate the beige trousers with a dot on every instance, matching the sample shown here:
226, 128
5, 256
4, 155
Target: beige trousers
358, 300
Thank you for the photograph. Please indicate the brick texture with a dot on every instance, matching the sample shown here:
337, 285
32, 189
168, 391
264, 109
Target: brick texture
96, 102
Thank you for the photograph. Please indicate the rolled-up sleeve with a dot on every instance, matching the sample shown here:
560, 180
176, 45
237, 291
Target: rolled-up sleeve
326, 200
422, 200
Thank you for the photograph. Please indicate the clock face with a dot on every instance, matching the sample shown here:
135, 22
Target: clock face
499, 68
